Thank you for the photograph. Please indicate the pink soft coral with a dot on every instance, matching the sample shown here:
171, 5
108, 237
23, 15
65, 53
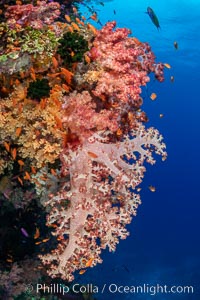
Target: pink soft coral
126, 63
101, 197
34, 16
80, 116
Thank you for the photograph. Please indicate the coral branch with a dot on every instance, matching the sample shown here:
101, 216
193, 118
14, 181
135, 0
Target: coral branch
100, 199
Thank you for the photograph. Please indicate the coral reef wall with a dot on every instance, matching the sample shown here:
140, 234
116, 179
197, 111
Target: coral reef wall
72, 129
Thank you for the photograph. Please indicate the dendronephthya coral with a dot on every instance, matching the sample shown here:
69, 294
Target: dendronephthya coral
72, 125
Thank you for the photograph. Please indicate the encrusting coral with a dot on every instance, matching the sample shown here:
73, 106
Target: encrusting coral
70, 113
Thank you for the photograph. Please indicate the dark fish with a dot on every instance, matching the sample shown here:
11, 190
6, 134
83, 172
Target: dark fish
176, 45
153, 17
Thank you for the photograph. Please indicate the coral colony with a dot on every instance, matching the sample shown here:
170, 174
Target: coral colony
72, 130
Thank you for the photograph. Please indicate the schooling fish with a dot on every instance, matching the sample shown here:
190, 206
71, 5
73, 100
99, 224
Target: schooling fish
153, 17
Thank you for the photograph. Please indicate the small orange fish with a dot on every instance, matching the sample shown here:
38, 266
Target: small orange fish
18, 27
18, 131
65, 87
37, 233
20, 180
67, 18
27, 176
53, 75
53, 225
45, 240
72, 53
59, 122
164, 158
43, 103
22, 75
56, 88
93, 155
103, 98
94, 17
81, 272
4, 89
55, 62
68, 75
87, 58
37, 132
32, 74
92, 28
65, 140
20, 108
37, 243
43, 178
79, 21
17, 82
167, 66
20, 162
70, 28
130, 116
9, 260
152, 188
53, 172
119, 132
57, 102
75, 26
14, 153
33, 170
153, 96
7, 146
136, 41
36, 182
89, 262
16, 49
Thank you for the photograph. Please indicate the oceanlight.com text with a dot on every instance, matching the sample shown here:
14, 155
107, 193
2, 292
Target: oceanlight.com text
150, 289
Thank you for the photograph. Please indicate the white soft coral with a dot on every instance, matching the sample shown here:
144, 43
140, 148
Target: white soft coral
102, 197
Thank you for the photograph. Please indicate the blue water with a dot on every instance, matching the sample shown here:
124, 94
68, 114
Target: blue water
164, 245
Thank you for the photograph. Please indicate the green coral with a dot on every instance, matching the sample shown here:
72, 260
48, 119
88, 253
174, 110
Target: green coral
7, 38
35, 41
28, 40
39, 89
72, 47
